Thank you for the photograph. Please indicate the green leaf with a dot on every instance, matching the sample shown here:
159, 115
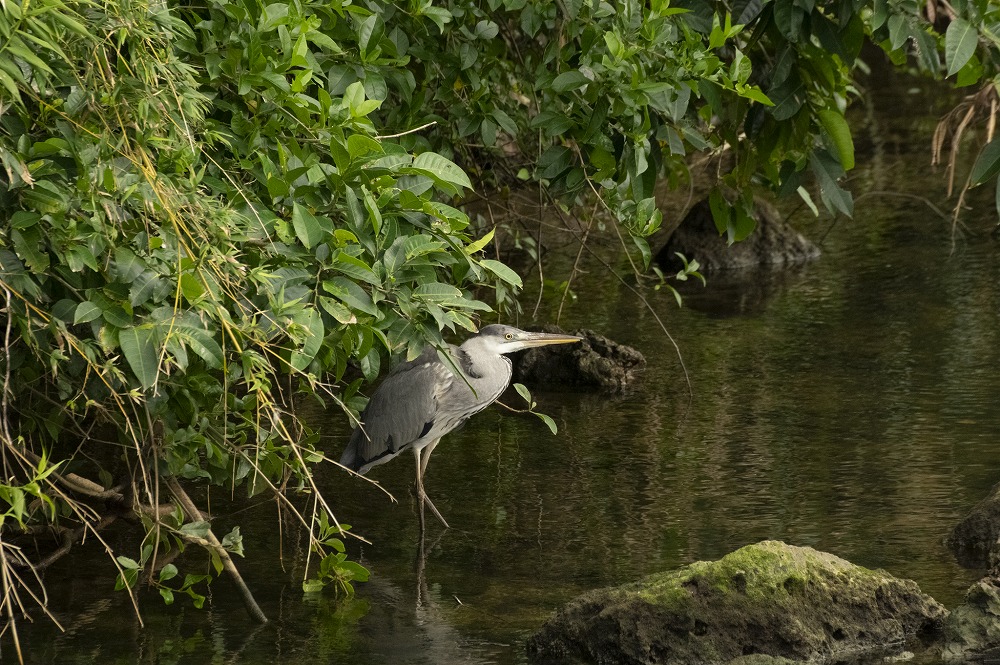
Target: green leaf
127, 563
477, 246
839, 132
722, 212
439, 15
310, 229
437, 292
167, 595
548, 421
828, 170
311, 320
807, 198
442, 168
127, 265
899, 31
370, 33
971, 74
197, 529
554, 161
355, 268
756, 94
987, 164
191, 287
233, 541
502, 271
523, 391
168, 572
143, 287
351, 294
487, 30
86, 312
644, 250
203, 343
959, 44
359, 145
996, 197
23, 219
571, 80
312, 586
139, 345
742, 226
338, 311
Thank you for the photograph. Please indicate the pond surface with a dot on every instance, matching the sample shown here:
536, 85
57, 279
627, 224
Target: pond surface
850, 406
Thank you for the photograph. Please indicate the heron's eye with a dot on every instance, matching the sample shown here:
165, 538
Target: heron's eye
509, 336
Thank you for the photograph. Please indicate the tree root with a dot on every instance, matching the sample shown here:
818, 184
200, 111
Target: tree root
212, 542
67, 539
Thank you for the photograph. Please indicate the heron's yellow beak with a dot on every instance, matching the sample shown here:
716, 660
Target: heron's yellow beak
528, 340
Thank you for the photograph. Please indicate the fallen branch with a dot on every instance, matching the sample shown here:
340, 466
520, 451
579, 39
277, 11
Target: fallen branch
211, 542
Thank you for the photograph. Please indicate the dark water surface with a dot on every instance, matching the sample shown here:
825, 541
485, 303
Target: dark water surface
850, 406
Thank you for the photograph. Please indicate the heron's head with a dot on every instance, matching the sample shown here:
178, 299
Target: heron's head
507, 339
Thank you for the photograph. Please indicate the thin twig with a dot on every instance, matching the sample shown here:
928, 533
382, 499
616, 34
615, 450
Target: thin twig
408, 131
922, 199
647, 305
576, 262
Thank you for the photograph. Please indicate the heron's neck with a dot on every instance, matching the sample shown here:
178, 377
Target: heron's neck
477, 362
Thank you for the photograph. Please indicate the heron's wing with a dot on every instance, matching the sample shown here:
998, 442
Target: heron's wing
401, 410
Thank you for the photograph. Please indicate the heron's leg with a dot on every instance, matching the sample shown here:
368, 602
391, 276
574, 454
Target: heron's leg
422, 455
428, 449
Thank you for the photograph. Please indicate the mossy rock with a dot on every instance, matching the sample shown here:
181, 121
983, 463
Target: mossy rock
972, 630
767, 601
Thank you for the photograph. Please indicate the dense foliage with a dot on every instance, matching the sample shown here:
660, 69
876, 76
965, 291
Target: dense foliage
208, 209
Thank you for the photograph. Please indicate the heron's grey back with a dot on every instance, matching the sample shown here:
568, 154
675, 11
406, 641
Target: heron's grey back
421, 401
398, 413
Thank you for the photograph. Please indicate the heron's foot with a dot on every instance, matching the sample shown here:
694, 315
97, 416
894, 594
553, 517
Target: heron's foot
424, 499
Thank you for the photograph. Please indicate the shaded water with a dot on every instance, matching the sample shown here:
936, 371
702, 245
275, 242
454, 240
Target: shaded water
849, 406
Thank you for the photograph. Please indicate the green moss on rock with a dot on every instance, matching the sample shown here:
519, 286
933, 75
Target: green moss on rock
769, 599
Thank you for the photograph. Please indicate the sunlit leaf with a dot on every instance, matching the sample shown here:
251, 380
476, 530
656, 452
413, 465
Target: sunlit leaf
839, 132
502, 271
442, 169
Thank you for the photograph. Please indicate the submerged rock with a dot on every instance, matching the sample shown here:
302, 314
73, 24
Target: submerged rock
772, 243
974, 539
766, 603
597, 362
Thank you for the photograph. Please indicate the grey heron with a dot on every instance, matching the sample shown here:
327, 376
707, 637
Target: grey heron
424, 399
